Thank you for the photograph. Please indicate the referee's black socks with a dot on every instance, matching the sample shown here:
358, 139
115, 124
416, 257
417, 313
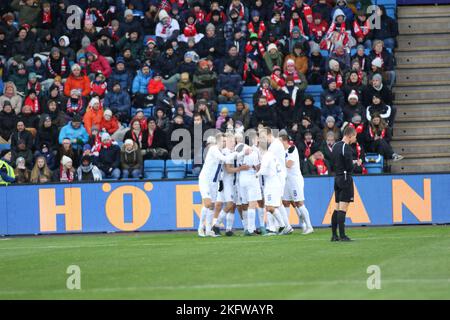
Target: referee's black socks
334, 223
341, 222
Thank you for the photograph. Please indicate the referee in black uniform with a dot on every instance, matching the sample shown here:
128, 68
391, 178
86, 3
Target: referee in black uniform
343, 163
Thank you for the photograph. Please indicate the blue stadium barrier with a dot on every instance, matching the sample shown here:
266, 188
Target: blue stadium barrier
175, 205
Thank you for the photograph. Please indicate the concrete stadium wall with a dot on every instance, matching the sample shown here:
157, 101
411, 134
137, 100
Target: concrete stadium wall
175, 205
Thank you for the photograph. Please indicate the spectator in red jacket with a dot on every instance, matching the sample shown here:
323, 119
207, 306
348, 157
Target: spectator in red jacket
97, 62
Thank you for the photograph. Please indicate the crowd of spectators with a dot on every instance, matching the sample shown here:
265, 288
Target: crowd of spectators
90, 94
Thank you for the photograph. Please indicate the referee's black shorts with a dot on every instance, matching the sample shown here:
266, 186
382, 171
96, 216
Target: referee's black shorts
343, 189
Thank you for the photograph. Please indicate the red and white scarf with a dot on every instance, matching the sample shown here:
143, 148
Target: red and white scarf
361, 31
298, 23
294, 75
239, 8
65, 175
261, 28
278, 80
249, 48
337, 77
372, 134
269, 96
248, 70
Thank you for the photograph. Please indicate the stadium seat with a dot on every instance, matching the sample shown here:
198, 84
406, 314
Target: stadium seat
176, 169
324, 53
154, 165
374, 163
5, 146
231, 108
248, 91
147, 111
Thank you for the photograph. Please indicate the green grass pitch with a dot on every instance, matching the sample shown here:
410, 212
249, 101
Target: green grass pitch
414, 264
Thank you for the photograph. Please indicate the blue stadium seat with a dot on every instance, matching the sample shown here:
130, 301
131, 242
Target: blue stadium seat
248, 90
176, 164
231, 108
314, 89
147, 111
324, 53
176, 169
353, 51
374, 163
5, 146
154, 165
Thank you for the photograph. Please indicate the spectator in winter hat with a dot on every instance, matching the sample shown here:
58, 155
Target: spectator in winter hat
331, 109
167, 29
87, 171
150, 53
377, 86
330, 126
75, 132
10, 94
229, 85
65, 49
118, 100
273, 57
352, 106
93, 115
131, 160
109, 158
66, 172
77, 81
21, 172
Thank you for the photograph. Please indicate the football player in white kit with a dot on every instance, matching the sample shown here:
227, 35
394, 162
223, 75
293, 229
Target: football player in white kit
249, 190
294, 189
227, 193
272, 171
208, 181
277, 149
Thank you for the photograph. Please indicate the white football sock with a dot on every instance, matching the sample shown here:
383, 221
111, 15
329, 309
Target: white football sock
270, 222
221, 218
260, 213
209, 219
203, 214
305, 215
251, 216
300, 218
244, 219
284, 214
229, 221
279, 218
